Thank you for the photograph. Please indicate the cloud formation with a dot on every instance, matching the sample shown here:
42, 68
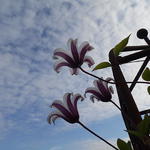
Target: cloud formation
31, 30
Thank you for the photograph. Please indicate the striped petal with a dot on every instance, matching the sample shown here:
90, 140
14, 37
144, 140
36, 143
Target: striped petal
53, 116
93, 97
62, 109
89, 60
83, 49
101, 86
72, 45
67, 101
66, 109
111, 89
109, 79
60, 64
75, 99
74, 71
94, 91
65, 55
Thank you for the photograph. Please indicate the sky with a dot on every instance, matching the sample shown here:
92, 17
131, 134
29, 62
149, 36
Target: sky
30, 31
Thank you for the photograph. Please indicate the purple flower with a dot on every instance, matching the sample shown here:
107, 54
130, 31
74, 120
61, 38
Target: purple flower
101, 91
73, 58
66, 109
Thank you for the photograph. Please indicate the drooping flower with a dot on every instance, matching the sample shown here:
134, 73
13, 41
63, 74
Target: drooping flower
73, 58
101, 91
67, 109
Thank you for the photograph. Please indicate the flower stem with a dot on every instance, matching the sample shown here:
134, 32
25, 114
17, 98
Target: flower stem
95, 76
124, 114
116, 105
109, 81
97, 135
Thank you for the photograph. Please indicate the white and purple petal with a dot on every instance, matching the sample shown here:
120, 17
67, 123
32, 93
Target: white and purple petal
109, 79
103, 87
83, 49
93, 97
60, 64
89, 60
111, 89
54, 115
74, 71
93, 91
65, 55
75, 99
67, 102
62, 109
74, 50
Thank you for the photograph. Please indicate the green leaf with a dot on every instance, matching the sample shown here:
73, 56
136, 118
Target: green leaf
148, 89
121, 45
143, 126
146, 74
123, 145
102, 65
129, 145
135, 133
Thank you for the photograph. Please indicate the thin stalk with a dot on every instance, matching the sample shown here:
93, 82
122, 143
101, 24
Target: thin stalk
116, 105
90, 74
95, 76
97, 135
124, 114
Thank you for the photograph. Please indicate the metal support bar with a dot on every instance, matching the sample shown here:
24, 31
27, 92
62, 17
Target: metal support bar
145, 112
139, 73
135, 48
142, 34
134, 56
127, 103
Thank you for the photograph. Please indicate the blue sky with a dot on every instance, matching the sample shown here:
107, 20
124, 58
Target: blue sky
30, 30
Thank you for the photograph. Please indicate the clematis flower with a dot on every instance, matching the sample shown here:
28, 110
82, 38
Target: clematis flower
67, 109
73, 58
101, 91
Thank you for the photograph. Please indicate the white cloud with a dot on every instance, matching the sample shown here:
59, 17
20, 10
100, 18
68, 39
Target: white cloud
56, 148
90, 144
30, 30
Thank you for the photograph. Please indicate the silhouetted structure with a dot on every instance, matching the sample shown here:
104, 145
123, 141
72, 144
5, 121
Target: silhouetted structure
126, 100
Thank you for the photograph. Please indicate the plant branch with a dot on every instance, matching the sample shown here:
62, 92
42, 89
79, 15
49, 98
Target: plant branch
124, 114
95, 76
97, 136
90, 74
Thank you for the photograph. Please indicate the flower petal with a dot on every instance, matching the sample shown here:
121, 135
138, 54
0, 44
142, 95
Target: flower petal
67, 101
102, 86
74, 71
109, 79
75, 99
89, 60
65, 55
93, 97
111, 89
62, 109
73, 47
84, 47
94, 91
57, 101
60, 64
53, 116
